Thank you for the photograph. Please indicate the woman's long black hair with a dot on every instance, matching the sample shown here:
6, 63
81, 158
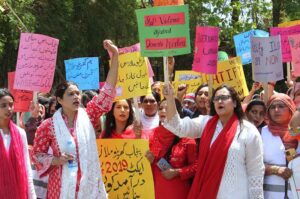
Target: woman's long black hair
110, 122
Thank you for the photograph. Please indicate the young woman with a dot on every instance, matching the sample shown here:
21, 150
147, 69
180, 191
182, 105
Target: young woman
201, 98
180, 153
230, 161
15, 170
70, 134
119, 121
276, 140
255, 112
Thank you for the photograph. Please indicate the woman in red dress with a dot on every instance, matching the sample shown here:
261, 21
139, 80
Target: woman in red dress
71, 136
180, 153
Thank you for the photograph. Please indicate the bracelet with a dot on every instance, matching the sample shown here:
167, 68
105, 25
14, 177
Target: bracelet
272, 84
274, 170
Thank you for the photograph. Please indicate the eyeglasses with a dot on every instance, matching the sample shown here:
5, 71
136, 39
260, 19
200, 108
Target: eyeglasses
151, 101
221, 97
279, 106
203, 92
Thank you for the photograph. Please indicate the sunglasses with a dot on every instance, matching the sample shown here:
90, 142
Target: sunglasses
221, 97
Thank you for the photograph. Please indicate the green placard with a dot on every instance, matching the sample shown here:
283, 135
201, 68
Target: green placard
164, 31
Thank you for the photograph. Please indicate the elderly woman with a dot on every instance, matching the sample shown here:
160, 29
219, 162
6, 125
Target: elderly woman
230, 154
276, 140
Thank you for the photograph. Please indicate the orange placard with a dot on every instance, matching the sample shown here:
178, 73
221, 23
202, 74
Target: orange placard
168, 2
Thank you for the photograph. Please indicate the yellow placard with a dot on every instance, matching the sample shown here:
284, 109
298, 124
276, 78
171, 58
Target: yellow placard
181, 75
231, 73
126, 172
289, 23
133, 76
192, 85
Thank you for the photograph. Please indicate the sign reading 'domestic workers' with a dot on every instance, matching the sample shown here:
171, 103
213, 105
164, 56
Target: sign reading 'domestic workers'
164, 31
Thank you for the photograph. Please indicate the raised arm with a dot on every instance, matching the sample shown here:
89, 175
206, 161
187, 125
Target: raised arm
102, 103
186, 127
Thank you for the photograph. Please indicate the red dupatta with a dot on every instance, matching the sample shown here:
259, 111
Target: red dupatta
212, 158
13, 175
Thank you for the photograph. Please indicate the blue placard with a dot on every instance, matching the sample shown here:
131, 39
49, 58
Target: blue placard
243, 45
84, 72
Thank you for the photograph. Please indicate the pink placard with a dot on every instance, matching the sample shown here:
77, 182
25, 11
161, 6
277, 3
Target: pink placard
206, 50
165, 43
294, 41
22, 97
36, 62
164, 19
285, 46
134, 48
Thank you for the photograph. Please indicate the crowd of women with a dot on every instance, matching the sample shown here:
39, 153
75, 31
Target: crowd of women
211, 146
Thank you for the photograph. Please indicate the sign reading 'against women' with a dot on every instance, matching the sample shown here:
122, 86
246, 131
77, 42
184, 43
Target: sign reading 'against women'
266, 59
164, 31
126, 172
206, 50
36, 62
168, 2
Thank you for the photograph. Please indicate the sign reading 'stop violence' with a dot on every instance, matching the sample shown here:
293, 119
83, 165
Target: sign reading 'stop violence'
164, 31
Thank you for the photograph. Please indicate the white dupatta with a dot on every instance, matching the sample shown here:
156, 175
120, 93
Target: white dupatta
91, 184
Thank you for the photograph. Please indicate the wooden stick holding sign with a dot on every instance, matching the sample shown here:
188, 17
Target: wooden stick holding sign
210, 86
288, 71
166, 69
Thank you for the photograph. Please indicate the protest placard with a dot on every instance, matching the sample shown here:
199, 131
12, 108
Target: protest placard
182, 75
289, 23
126, 172
135, 48
266, 59
231, 73
243, 45
168, 2
206, 50
285, 46
133, 77
84, 72
164, 31
36, 62
22, 98
295, 51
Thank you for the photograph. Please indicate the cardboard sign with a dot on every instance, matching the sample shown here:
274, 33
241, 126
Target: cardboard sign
243, 45
168, 2
126, 172
36, 62
267, 60
135, 48
206, 50
84, 72
22, 98
294, 41
133, 77
285, 46
289, 23
231, 73
164, 31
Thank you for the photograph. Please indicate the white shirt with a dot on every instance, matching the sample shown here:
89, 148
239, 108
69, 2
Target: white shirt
7, 141
244, 167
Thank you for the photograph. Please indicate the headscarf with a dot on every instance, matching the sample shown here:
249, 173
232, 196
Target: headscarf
281, 129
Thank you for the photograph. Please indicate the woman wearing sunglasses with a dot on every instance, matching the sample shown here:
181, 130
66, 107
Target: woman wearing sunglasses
230, 161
